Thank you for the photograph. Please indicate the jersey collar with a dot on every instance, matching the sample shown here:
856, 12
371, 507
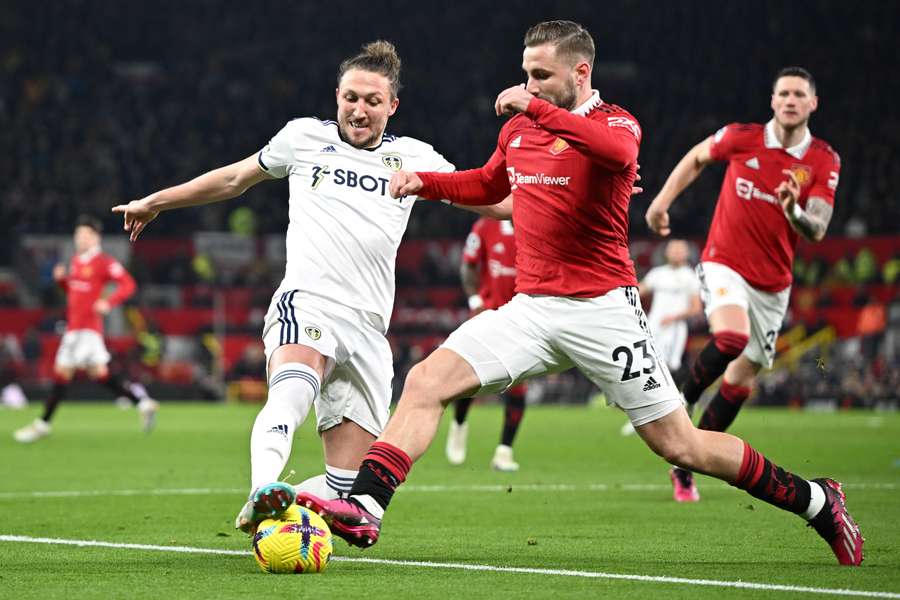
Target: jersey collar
797, 151
590, 104
89, 254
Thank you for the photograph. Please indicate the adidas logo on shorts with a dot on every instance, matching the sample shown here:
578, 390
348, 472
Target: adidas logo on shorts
651, 384
282, 429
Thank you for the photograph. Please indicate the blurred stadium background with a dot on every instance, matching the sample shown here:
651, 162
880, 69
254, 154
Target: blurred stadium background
102, 102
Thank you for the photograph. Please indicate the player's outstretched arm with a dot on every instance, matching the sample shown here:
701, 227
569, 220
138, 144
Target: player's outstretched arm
220, 184
500, 211
684, 173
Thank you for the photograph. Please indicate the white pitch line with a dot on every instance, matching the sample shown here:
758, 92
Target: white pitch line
411, 488
773, 587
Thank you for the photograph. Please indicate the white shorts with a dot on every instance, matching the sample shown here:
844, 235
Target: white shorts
670, 341
606, 338
360, 367
81, 349
721, 286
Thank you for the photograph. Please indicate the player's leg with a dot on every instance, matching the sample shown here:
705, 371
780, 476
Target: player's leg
735, 389
146, 406
345, 445
458, 433
725, 295
726, 457
64, 367
464, 365
513, 410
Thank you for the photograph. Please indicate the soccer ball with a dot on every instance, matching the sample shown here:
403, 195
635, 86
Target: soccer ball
297, 542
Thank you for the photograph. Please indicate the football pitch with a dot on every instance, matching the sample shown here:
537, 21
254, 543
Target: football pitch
590, 514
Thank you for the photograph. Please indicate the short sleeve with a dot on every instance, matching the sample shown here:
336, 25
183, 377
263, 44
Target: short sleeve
651, 279
114, 269
277, 157
436, 163
826, 179
723, 142
474, 245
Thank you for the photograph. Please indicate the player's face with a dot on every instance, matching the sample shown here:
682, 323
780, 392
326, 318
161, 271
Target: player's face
793, 101
364, 105
550, 78
677, 252
85, 239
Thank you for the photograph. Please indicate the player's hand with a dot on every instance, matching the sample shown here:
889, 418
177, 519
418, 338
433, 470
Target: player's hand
137, 215
513, 100
658, 220
404, 183
102, 307
788, 191
59, 272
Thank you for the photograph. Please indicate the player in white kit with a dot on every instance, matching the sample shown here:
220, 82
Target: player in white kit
324, 333
676, 299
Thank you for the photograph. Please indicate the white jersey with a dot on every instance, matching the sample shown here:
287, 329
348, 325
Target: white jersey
344, 228
673, 288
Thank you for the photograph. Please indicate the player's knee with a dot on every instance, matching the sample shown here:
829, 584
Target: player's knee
730, 343
422, 381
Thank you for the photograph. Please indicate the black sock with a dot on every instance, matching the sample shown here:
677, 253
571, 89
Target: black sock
461, 410
724, 407
765, 480
57, 393
512, 416
383, 468
118, 386
723, 348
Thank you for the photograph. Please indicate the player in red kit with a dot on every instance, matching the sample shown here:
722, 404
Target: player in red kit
488, 275
569, 160
779, 186
82, 345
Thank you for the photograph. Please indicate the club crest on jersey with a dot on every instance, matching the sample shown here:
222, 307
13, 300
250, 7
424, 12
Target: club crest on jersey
559, 145
802, 173
392, 162
314, 333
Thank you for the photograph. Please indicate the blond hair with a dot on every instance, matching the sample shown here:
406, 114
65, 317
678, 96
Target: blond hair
379, 57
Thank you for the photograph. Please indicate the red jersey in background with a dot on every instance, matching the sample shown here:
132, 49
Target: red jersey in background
749, 232
491, 248
87, 277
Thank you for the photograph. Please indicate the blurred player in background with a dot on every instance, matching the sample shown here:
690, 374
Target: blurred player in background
82, 346
569, 159
488, 273
324, 334
675, 293
779, 186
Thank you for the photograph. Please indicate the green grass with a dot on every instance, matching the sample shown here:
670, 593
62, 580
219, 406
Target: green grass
728, 536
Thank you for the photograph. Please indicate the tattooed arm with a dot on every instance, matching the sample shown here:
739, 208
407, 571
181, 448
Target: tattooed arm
810, 223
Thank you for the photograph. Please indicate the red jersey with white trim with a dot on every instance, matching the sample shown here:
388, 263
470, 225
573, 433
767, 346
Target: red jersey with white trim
749, 231
491, 248
570, 174
87, 277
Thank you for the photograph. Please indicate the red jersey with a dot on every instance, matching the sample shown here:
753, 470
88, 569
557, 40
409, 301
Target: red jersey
749, 231
491, 247
88, 275
570, 174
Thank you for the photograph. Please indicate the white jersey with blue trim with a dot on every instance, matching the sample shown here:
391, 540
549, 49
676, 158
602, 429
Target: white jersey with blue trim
344, 227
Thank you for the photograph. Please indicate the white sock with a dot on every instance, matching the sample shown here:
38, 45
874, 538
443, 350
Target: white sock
333, 484
816, 500
339, 481
293, 388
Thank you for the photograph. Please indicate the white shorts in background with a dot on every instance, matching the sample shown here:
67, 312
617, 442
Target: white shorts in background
81, 349
360, 367
721, 286
671, 340
606, 338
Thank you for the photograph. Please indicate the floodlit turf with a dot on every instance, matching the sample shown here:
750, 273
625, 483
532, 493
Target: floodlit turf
610, 512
